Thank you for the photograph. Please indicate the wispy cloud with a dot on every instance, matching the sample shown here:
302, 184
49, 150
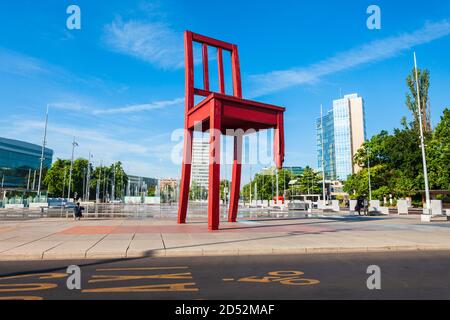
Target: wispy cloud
18, 64
141, 107
155, 42
367, 53
67, 106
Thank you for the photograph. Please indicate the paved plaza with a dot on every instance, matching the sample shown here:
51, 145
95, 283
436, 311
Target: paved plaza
107, 238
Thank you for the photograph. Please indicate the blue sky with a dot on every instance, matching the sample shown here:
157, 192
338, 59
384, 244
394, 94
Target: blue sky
118, 83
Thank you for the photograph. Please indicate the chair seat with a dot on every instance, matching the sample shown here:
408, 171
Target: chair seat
236, 114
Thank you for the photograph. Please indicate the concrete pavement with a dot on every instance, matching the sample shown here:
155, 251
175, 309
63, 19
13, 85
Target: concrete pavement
57, 239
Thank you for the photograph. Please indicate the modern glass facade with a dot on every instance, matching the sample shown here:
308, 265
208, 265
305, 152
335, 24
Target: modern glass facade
295, 171
343, 134
20, 162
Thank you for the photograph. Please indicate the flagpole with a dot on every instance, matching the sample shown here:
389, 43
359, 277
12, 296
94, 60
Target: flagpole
422, 144
44, 143
74, 144
323, 154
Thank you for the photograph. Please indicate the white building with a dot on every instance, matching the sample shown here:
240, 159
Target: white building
200, 162
343, 133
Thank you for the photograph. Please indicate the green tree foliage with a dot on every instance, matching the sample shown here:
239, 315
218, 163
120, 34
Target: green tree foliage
54, 179
197, 192
439, 154
411, 97
396, 162
310, 182
266, 185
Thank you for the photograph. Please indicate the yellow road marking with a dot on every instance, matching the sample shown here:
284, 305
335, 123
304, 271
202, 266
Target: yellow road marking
20, 287
41, 276
303, 282
142, 269
283, 277
24, 298
173, 287
228, 279
111, 278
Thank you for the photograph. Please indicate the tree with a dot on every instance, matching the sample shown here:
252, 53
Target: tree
439, 154
54, 179
105, 177
411, 98
309, 182
225, 184
265, 183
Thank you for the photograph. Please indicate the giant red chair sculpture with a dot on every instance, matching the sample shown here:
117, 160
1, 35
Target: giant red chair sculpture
220, 113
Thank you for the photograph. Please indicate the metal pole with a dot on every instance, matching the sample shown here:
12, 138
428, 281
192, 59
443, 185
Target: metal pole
323, 153
74, 144
84, 184
251, 181
29, 179
34, 180
44, 143
64, 189
278, 192
370, 182
422, 140
88, 178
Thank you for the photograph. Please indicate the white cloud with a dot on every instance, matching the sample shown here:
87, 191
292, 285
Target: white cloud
67, 106
91, 138
152, 42
18, 64
141, 107
367, 53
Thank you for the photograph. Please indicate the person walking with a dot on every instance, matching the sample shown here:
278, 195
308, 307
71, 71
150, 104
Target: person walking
366, 206
359, 204
78, 212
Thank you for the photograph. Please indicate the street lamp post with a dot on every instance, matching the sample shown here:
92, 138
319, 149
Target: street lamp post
74, 144
427, 212
368, 167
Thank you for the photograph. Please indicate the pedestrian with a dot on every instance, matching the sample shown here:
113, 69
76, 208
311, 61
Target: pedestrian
78, 212
366, 207
359, 204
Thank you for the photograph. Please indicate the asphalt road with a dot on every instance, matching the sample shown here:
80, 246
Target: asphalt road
414, 275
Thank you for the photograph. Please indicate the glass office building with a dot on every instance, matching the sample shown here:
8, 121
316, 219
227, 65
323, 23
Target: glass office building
20, 163
342, 134
295, 171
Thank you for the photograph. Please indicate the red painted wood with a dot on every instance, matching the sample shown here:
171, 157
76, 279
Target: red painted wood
205, 67
219, 112
220, 71
211, 42
214, 166
237, 85
185, 176
189, 71
236, 179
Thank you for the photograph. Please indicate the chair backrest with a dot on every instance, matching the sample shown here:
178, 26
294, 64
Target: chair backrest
191, 91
